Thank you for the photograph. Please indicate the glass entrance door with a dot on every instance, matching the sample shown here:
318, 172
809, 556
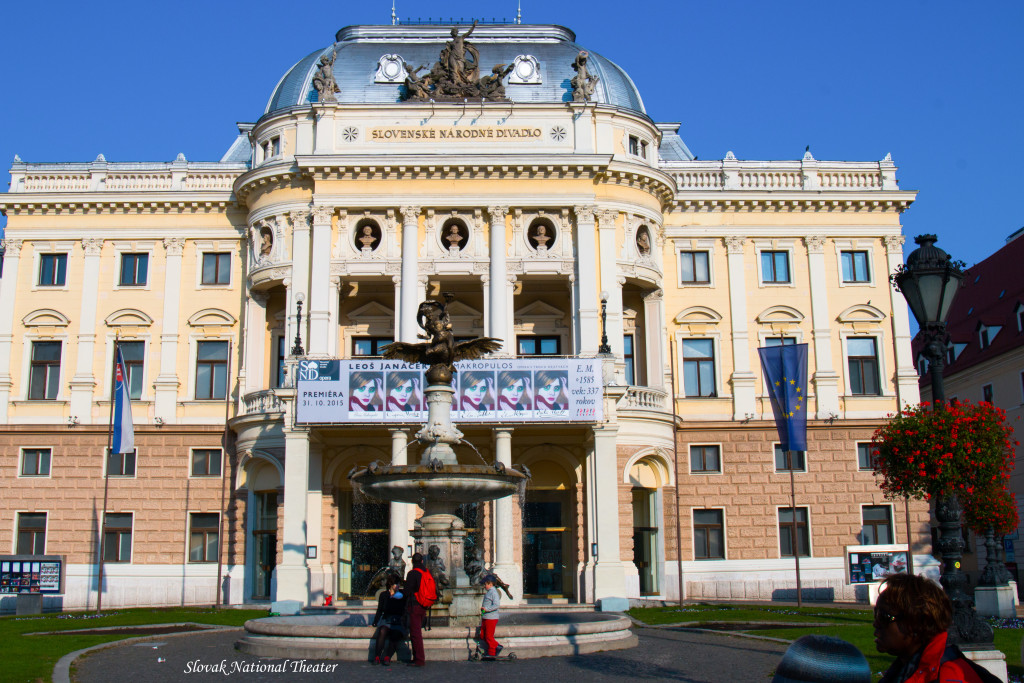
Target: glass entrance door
645, 539
543, 549
264, 538
362, 545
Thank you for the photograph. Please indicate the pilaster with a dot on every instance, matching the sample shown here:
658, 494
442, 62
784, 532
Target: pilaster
401, 513
255, 342
167, 382
319, 313
743, 380
83, 383
300, 272
606, 577
825, 379
586, 316
654, 315
908, 391
408, 295
611, 283
505, 564
293, 573
8, 291
497, 299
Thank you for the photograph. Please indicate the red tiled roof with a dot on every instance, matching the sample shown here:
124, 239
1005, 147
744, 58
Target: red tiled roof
978, 302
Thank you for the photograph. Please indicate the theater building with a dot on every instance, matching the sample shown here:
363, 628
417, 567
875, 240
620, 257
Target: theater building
557, 212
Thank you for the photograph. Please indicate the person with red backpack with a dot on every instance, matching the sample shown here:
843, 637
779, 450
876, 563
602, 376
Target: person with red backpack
422, 592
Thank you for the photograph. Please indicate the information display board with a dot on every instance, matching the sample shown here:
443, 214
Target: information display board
356, 391
873, 563
31, 574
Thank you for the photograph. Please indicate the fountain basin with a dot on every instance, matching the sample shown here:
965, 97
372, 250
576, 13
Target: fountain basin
451, 485
348, 636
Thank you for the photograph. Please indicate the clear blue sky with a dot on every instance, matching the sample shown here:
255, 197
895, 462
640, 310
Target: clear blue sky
936, 83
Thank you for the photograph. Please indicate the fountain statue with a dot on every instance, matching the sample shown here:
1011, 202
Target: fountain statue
439, 484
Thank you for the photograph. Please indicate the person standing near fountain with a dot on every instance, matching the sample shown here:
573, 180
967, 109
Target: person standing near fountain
489, 617
389, 620
417, 589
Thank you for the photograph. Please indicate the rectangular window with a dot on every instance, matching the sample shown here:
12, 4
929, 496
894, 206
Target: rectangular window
862, 355
281, 351
693, 268
803, 537
539, 346
121, 464
369, 346
634, 145
708, 535
216, 268
699, 367
630, 359
31, 533
775, 267
779, 341
134, 269
705, 459
134, 360
206, 462
211, 370
44, 372
986, 393
855, 266
877, 529
117, 537
35, 462
53, 270
865, 459
789, 460
203, 533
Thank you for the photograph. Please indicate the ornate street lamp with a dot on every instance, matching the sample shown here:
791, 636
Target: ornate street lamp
297, 349
604, 348
928, 282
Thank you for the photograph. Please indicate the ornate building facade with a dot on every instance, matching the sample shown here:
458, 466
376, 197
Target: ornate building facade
557, 211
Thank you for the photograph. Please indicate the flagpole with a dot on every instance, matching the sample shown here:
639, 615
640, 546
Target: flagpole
219, 593
106, 475
796, 548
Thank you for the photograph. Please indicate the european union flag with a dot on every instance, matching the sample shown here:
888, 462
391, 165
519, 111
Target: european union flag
785, 372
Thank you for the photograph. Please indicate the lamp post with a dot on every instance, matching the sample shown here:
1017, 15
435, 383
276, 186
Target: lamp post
604, 348
928, 281
297, 349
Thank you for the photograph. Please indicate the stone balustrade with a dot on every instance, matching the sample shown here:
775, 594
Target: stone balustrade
102, 176
643, 398
262, 402
809, 174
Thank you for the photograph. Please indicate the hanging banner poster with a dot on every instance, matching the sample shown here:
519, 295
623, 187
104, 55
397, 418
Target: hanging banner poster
501, 390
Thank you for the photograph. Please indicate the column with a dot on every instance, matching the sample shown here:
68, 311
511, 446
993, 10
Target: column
605, 575
255, 342
510, 315
8, 290
292, 573
504, 563
585, 316
408, 296
743, 380
654, 326
333, 301
398, 532
314, 525
496, 315
825, 379
908, 391
319, 301
300, 270
166, 385
612, 284
83, 383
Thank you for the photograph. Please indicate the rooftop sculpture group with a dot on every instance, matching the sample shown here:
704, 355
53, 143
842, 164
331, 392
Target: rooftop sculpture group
456, 75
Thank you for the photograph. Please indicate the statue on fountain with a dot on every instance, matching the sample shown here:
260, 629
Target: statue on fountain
440, 351
396, 567
437, 568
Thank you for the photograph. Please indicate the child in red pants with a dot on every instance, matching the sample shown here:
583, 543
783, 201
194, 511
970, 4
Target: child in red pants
489, 617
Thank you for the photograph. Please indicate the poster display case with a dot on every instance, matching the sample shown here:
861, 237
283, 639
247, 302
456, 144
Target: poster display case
43, 574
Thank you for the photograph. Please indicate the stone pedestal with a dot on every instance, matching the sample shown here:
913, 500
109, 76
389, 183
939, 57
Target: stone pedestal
458, 601
995, 601
993, 660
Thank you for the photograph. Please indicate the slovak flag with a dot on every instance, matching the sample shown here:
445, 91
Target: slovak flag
124, 432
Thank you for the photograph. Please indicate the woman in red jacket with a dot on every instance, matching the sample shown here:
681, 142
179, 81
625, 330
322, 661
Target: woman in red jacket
912, 615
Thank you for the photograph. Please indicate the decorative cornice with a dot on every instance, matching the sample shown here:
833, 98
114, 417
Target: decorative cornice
99, 204
708, 202
92, 246
174, 245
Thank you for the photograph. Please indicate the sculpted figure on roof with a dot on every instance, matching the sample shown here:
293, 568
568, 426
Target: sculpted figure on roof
584, 82
323, 81
455, 76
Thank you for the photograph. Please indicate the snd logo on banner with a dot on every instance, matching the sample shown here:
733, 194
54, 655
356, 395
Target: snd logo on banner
319, 370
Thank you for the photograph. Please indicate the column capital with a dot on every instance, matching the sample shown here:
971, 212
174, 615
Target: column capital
654, 295
606, 218
497, 212
584, 212
815, 244
734, 245
299, 219
12, 247
322, 214
92, 246
410, 213
174, 245
894, 244
260, 298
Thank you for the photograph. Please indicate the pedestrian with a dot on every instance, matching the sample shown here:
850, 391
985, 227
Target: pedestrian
389, 620
822, 659
489, 617
912, 616
422, 593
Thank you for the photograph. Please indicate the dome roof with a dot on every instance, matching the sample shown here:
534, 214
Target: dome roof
360, 49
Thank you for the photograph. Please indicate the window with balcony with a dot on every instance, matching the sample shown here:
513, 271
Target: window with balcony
216, 268
134, 270
53, 270
630, 359
537, 345
694, 268
280, 353
699, 368
44, 371
31, 533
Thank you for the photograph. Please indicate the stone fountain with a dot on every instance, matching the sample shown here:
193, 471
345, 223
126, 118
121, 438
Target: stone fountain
439, 484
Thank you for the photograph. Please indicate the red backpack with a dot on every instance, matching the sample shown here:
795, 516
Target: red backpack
427, 593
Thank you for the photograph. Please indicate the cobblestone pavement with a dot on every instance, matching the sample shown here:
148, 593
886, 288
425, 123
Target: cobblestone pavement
663, 654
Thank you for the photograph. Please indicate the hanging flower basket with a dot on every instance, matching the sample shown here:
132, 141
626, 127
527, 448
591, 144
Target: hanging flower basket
952, 449
991, 509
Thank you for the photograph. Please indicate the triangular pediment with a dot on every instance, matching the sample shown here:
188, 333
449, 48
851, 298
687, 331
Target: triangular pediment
372, 310
539, 309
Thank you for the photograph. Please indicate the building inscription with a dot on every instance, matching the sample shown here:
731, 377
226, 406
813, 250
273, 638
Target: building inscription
449, 133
